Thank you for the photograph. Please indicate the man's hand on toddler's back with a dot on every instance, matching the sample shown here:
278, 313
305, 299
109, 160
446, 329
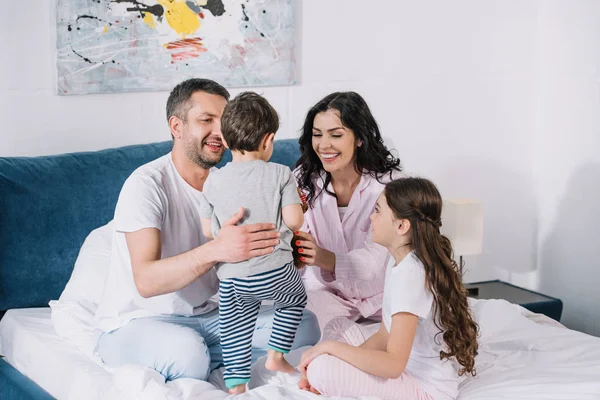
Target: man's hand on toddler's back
239, 243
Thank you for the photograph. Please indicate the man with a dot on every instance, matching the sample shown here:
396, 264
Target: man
156, 309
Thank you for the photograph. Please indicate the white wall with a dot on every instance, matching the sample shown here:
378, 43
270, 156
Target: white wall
566, 162
451, 84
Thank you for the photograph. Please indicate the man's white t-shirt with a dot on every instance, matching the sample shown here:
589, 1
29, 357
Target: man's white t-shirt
155, 196
405, 290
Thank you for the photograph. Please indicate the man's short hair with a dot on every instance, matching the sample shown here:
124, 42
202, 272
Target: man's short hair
178, 103
246, 120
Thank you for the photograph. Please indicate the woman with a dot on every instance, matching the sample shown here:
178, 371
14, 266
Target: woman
343, 168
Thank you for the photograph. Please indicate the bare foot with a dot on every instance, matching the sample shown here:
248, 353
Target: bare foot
303, 384
239, 389
276, 362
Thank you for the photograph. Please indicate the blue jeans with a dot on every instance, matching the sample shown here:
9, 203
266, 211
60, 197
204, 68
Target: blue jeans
189, 347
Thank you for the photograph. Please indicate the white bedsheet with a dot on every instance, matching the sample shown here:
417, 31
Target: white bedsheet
522, 356
30, 344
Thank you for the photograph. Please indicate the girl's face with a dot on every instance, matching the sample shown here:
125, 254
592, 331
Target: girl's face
383, 223
334, 143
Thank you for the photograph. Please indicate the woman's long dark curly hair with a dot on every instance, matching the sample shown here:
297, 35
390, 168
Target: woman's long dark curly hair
419, 201
372, 157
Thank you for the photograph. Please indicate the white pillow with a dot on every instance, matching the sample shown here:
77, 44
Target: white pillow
73, 314
87, 280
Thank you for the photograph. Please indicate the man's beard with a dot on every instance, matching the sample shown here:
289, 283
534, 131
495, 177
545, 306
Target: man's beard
195, 155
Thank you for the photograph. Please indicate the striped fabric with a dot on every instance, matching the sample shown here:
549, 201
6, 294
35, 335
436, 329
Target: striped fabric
239, 303
333, 377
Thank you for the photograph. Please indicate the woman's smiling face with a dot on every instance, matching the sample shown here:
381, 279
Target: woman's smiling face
334, 143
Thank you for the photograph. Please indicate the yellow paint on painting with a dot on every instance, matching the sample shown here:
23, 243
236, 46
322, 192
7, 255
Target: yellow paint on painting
180, 17
105, 29
149, 20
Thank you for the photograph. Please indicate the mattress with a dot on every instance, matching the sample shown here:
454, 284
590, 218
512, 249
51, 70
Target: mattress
29, 343
522, 356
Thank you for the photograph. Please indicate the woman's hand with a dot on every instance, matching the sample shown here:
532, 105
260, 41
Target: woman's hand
303, 200
297, 262
308, 252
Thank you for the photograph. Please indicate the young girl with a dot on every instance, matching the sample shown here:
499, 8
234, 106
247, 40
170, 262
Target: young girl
428, 337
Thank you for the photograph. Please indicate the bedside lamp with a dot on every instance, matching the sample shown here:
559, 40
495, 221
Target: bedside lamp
462, 223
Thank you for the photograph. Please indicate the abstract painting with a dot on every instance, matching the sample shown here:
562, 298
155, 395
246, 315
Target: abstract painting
128, 45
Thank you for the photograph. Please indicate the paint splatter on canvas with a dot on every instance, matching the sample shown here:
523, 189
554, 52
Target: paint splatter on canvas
129, 45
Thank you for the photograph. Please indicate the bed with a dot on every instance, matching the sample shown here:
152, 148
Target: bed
49, 206
523, 356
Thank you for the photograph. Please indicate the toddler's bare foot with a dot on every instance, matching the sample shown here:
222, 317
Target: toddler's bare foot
239, 389
276, 362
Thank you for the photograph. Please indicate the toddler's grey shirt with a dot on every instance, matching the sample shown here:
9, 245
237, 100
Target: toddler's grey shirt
263, 189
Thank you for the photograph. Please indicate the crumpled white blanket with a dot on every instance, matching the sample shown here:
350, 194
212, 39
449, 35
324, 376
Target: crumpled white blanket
522, 356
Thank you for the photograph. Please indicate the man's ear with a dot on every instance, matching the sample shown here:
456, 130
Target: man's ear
268, 140
176, 126
224, 142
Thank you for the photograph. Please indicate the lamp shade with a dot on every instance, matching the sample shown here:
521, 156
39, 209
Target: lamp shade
462, 223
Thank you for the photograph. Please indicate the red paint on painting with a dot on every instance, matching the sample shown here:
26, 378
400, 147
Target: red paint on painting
185, 49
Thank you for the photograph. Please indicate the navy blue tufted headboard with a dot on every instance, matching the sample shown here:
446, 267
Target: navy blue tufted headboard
48, 205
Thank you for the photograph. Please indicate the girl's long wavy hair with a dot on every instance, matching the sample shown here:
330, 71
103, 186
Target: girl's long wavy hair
372, 157
419, 201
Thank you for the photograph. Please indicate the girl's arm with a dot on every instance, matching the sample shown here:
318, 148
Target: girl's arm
387, 363
378, 341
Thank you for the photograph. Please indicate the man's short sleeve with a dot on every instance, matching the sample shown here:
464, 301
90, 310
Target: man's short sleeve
140, 205
289, 190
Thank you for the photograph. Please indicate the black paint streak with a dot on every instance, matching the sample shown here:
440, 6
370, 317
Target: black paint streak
69, 28
246, 18
87, 60
92, 17
216, 7
84, 58
156, 9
